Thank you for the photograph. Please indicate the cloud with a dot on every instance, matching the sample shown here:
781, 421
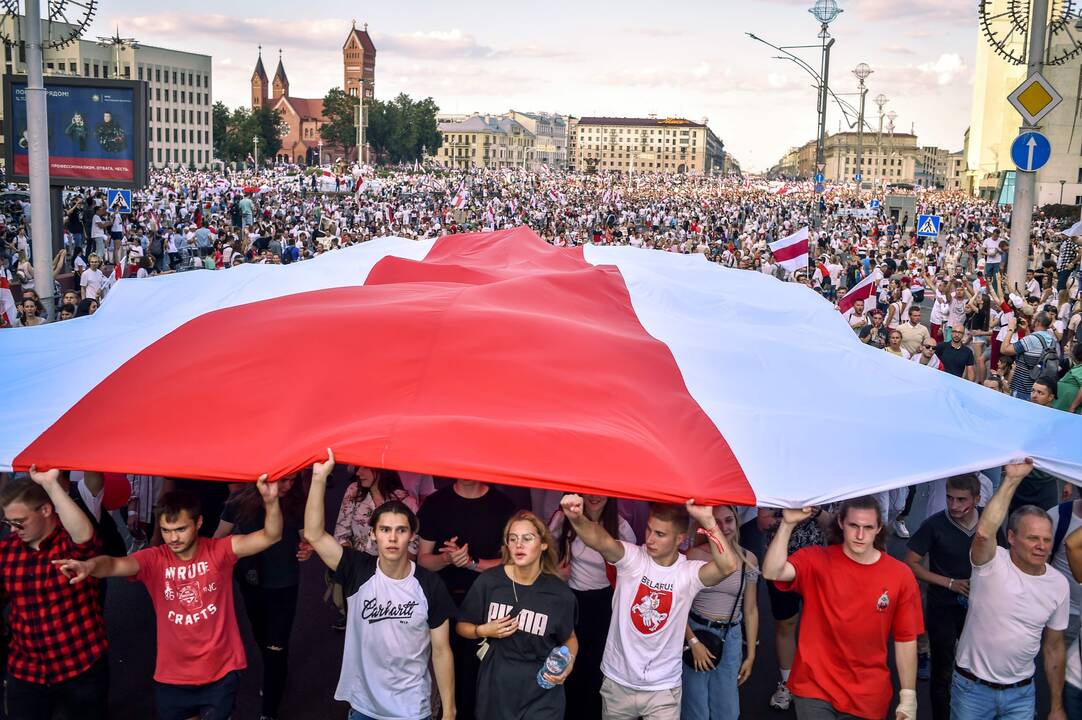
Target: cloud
952, 12
947, 68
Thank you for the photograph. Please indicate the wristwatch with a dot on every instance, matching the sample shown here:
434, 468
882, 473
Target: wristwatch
472, 565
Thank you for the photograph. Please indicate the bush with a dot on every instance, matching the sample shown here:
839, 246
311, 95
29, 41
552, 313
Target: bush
1061, 212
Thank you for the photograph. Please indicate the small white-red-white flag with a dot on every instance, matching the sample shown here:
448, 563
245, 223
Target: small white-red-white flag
792, 252
8, 312
459, 200
782, 190
861, 291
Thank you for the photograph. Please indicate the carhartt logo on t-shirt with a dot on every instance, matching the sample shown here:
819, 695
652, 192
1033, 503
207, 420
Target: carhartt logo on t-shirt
374, 611
652, 606
883, 603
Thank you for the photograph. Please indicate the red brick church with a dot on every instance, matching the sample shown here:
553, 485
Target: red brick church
302, 117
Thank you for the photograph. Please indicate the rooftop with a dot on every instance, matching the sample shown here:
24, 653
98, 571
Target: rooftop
640, 122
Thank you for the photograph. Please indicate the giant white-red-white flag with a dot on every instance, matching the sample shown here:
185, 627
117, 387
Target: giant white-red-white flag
861, 291
473, 379
792, 252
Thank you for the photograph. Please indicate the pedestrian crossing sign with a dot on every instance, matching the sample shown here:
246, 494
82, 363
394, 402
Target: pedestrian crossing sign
928, 225
119, 201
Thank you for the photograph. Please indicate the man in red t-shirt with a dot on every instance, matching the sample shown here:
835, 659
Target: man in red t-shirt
855, 597
190, 580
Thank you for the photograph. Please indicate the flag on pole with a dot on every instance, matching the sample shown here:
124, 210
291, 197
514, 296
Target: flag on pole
861, 291
792, 252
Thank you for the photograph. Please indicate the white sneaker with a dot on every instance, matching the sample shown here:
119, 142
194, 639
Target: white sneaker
781, 699
900, 529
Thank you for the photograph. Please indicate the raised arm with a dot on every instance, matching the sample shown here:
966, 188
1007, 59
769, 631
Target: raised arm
258, 541
591, 533
328, 549
776, 565
983, 548
725, 561
71, 517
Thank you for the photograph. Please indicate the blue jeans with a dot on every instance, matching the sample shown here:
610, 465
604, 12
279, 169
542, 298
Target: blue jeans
1072, 701
970, 700
354, 715
713, 695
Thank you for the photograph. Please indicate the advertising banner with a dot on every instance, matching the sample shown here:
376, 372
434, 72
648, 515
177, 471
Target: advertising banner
96, 130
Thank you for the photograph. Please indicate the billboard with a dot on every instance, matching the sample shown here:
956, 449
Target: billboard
97, 131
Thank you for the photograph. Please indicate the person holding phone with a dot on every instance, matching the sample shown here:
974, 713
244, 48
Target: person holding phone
521, 610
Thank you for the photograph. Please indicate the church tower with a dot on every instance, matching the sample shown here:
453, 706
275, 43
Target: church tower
260, 84
280, 86
359, 63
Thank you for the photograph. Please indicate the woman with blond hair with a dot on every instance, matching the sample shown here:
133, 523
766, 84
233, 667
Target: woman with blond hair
520, 610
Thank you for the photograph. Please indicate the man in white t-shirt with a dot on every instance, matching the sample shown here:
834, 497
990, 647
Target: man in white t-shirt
992, 258
655, 586
1014, 600
385, 664
92, 279
855, 315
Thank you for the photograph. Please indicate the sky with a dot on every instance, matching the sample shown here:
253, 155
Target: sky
633, 58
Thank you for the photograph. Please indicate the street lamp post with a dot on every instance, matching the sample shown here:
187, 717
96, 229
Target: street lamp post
255, 155
118, 43
321, 152
825, 11
891, 116
879, 100
862, 71
1061, 184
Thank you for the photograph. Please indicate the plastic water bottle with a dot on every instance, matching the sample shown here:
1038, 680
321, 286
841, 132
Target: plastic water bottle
555, 663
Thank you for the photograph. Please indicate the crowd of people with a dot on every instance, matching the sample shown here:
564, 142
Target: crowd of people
462, 599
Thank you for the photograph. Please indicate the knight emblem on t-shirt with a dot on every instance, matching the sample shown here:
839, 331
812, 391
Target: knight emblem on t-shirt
651, 608
883, 602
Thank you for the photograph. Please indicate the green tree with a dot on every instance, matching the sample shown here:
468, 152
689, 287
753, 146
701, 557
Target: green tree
220, 128
340, 129
266, 123
400, 128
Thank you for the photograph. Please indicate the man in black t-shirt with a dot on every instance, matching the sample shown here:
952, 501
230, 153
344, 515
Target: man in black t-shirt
956, 355
944, 538
461, 536
875, 334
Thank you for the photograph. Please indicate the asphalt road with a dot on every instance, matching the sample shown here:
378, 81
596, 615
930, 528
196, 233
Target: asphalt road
316, 652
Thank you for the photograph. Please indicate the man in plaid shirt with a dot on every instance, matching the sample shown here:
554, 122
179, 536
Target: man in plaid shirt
58, 646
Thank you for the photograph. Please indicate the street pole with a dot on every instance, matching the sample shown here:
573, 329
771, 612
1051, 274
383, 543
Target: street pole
862, 71
255, 155
1025, 183
38, 150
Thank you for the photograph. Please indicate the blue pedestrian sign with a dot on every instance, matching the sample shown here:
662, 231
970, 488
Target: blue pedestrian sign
858, 177
1030, 151
819, 178
118, 201
874, 204
928, 225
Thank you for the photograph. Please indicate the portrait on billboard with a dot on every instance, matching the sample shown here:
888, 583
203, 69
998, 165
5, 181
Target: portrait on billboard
96, 131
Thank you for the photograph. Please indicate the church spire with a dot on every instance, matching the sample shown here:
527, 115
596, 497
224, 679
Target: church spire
281, 82
259, 71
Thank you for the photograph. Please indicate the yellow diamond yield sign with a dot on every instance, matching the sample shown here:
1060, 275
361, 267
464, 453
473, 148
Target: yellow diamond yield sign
1034, 98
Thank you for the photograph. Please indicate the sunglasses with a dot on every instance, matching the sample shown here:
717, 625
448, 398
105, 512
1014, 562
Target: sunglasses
18, 524
929, 347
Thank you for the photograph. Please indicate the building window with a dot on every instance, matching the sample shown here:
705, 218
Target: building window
174, 77
159, 154
140, 75
127, 71
174, 96
159, 134
96, 70
157, 74
158, 94
73, 68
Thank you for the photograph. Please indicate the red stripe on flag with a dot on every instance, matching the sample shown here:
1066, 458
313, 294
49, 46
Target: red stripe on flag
473, 363
791, 251
861, 291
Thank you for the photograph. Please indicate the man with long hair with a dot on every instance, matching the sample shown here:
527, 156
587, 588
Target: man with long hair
190, 581
855, 597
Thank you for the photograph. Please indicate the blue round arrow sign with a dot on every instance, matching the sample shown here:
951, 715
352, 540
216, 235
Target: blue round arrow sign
1030, 151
